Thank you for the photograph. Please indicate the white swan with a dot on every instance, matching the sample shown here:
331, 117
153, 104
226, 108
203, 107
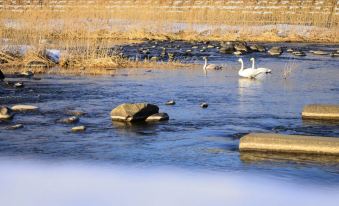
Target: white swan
260, 68
210, 66
249, 72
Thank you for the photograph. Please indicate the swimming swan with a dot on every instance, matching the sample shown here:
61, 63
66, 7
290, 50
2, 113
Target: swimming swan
249, 72
210, 66
260, 68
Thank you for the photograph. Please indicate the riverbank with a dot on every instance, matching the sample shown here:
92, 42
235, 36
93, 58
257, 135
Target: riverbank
92, 60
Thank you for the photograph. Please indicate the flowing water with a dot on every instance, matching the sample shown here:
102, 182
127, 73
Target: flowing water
193, 138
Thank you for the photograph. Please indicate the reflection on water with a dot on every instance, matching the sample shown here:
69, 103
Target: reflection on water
193, 137
260, 157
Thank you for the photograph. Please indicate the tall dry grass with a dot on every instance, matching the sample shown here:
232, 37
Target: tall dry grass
158, 19
86, 30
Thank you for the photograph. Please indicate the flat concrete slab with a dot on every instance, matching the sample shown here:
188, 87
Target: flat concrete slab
289, 143
321, 111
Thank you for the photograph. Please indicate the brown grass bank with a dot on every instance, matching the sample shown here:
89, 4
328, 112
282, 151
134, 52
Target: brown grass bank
248, 20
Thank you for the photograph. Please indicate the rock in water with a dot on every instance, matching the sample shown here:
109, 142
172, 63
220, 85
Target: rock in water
204, 105
26, 74
75, 112
16, 126
133, 112
78, 129
227, 48
241, 46
69, 120
5, 113
275, 51
319, 52
2, 76
170, 102
257, 48
157, 117
24, 108
19, 85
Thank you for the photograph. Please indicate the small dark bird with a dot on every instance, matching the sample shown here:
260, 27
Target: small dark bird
2, 76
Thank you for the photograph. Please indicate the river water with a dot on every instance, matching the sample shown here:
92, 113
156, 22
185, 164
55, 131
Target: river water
193, 138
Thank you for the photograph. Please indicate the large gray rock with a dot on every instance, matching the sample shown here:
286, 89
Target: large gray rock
133, 112
5, 113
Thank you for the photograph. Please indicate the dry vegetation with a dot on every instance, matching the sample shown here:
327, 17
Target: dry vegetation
81, 29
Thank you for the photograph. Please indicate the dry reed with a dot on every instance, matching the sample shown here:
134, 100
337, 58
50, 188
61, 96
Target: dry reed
85, 30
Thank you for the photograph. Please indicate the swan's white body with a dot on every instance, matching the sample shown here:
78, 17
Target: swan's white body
260, 68
249, 72
210, 66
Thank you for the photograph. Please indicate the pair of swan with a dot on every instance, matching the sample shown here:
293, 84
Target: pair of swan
252, 72
248, 73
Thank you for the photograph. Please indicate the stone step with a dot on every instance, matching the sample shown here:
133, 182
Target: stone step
321, 111
270, 142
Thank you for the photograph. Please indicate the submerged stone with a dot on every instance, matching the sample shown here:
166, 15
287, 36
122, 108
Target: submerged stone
69, 120
319, 52
24, 108
170, 102
158, 117
75, 112
16, 126
298, 53
78, 129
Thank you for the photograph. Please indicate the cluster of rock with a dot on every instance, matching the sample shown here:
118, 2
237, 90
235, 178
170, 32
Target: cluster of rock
16, 84
138, 112
240, 48
7, 114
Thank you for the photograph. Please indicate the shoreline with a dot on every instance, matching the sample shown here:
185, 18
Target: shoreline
96, 60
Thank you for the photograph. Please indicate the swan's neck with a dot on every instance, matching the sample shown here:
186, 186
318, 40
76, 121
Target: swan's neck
253, 64
205, 70
205, 64
242, 65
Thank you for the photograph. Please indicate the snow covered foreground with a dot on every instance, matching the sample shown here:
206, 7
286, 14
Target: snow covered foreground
71, 184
